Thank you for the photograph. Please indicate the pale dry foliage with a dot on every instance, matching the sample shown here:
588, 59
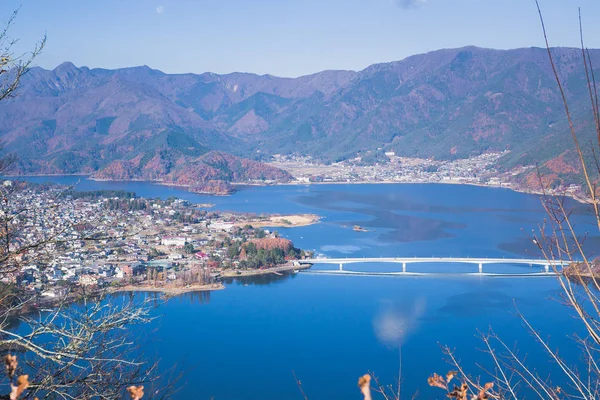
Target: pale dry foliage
364, 383
558, 241
466, 390
18, 386
78, 351
136, 392
81, 351
14, 66
22, 382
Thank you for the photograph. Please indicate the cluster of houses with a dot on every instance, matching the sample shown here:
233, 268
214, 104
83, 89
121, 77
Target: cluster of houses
86, 243
53, 281
396, 169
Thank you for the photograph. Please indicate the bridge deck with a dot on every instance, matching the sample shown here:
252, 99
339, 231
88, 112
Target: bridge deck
413, 260
432, 274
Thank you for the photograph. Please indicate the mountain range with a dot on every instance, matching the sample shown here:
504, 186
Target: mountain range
140, 123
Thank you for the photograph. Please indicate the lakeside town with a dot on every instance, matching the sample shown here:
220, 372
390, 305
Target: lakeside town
390, 168
116, 241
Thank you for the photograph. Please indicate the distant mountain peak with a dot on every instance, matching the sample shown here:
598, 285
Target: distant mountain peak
65, 67
441, 104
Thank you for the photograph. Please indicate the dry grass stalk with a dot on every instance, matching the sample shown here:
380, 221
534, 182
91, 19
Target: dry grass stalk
11, 365
558, 241
17, 390
463, 391
364, 383
136, 392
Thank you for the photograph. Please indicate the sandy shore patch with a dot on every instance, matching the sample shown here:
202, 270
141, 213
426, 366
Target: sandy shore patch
170, 290
289, 221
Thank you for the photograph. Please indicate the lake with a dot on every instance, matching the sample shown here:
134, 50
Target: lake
245, 341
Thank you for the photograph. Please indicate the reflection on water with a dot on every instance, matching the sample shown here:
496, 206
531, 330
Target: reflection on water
332, 329
409, 219
258, 280
476, 303
344, 249
403, 227
524, 246
396, 322
339, 199
197, 297
157, 299
408, 228
329, 330
585, 281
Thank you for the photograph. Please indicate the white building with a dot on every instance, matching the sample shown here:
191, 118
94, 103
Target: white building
88, 280
56, 292
173, 241
222, 226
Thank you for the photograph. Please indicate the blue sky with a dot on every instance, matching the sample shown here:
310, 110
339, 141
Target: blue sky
283, 37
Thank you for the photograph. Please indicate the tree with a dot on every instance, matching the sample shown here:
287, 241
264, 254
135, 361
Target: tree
14, 66
558, 242
188, 248
70, 352
233, 250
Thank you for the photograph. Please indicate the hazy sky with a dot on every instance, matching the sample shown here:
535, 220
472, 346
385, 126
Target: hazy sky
283, 37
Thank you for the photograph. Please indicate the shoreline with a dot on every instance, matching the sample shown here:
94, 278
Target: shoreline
42, 175
283, 221
253, 272
483, 185
298, 183
178, 290
163, 183
169, 290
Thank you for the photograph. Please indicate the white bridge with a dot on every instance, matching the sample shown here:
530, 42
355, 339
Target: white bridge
480, 262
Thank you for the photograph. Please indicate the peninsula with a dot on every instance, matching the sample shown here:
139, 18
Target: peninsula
286, 221
116, 241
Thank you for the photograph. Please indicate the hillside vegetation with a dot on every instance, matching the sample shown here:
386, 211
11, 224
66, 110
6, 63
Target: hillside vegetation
139, 123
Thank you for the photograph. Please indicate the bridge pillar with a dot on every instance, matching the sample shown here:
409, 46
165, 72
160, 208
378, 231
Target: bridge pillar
547, 268
480, 268
341, 267
403, 267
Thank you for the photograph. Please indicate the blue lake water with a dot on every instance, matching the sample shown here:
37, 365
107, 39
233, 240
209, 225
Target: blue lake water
245, 341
